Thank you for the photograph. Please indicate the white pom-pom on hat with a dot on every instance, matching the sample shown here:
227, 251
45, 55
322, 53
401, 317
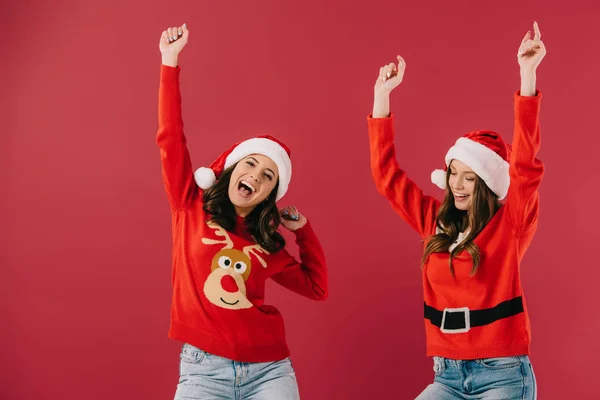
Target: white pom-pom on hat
205, 177
438, 177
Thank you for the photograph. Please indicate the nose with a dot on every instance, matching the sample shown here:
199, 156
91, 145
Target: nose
228, 284
458, 183
252, 177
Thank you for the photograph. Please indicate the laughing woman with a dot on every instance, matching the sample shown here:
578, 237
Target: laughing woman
226, 245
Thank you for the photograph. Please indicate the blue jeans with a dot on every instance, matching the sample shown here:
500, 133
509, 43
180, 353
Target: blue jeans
207, 377
486, 379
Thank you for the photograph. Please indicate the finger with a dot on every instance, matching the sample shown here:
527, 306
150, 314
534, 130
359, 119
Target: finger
381, 74
164, 37
389, 70
175, 33
401, 62
185, 30
538, 35
288, 214
295, 213
533, 45
170, 34
526, 38
401, 68
542, 46
526, 46
384, 73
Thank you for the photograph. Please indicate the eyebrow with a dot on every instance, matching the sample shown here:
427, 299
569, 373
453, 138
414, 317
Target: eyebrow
466, 172
256, 161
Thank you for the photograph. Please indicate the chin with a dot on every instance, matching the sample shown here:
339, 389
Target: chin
462, 207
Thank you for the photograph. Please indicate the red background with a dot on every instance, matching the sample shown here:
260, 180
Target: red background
85, 245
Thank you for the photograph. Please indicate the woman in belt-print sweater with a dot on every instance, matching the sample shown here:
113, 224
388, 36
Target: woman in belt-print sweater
476, 321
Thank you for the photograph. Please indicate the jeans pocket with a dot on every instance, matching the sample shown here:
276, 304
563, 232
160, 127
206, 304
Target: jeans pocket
439, 365
500, 362
192, 355
191, 364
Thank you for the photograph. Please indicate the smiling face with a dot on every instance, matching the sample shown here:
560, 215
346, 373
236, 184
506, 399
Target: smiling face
461, 182
252, 181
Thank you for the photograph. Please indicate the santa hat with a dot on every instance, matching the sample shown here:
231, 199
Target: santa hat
265, 145
486, 153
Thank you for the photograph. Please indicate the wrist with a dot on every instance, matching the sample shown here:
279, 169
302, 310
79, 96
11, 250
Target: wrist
527, 72
169, 60
299, 229
382, 93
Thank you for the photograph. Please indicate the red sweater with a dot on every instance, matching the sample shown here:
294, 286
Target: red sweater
502, 243
219, 276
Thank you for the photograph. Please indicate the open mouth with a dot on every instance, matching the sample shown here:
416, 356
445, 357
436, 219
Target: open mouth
230, 304
245, 189
460, 197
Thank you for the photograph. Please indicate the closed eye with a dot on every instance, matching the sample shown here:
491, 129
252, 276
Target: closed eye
269, 177
250, 163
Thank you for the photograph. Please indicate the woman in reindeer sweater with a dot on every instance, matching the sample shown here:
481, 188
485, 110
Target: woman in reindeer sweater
225, 246
476, 321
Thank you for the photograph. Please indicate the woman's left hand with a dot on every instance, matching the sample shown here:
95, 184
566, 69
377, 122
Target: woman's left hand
532, 51
291, 219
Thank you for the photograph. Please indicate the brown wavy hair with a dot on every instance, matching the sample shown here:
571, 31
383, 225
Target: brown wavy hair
451, 221
262, 223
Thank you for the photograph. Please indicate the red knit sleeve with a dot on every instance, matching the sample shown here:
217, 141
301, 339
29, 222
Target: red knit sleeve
526, 171
403, 194
308, 277
177, 171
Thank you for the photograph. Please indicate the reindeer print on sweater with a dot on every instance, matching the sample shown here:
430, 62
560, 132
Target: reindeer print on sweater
226, 285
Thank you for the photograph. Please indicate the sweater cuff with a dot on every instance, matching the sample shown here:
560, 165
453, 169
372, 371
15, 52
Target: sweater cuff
384, 124
370, 118
305, 232
536, 97
169, 74
381, 128
528, 104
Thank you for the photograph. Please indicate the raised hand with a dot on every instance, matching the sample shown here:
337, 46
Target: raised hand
530, 55
172, 42
532, 50
291, 219
390, 76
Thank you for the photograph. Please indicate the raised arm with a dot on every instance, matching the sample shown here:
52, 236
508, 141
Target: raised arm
526, 171
417, 209
176, 164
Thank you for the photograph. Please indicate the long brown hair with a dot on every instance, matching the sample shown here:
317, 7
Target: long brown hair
451, 221
262, 223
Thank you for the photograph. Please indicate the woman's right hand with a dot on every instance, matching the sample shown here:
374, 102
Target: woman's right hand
172, 41
390, 76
